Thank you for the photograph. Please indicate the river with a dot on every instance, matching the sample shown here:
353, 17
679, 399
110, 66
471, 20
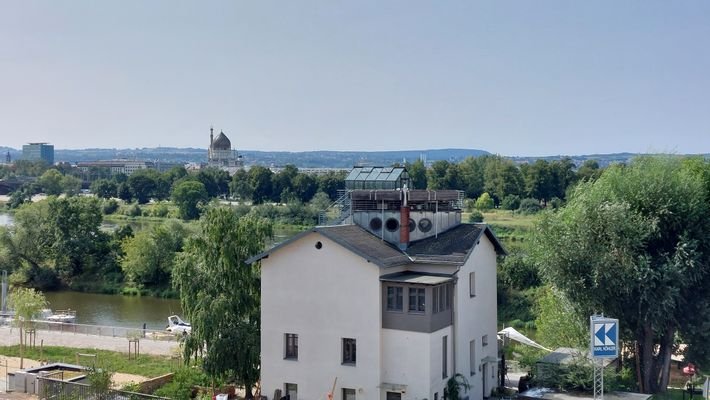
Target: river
115, 310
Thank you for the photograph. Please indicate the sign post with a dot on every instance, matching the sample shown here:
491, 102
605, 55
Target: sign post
604, 343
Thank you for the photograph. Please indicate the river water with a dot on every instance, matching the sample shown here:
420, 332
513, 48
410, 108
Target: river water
116, 310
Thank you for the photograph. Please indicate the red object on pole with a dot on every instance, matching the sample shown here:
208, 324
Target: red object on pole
689, 369
404, 227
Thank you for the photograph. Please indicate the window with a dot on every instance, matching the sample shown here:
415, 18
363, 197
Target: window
436, 396
348, 394
394, 396
349, 351
444, 356
472, 284
484, 340
394, 298
291, 346
416, 300
472, 357
291, 390
441, 296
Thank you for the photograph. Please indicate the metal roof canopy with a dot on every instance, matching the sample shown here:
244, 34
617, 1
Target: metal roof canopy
377, 178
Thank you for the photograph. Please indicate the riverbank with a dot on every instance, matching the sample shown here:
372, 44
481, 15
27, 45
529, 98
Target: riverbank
10, 336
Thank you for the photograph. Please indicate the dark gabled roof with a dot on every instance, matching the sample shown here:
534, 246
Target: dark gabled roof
450, 247
221, 142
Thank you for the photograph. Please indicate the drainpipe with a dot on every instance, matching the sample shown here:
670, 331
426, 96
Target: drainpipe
382, 228
3, 299
453, 322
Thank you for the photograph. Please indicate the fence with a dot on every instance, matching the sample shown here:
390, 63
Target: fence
54, 389
103, 330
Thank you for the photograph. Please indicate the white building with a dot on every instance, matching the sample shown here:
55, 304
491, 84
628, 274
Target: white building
393, 314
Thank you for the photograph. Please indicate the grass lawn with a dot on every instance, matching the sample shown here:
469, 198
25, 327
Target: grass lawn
145, 365
510, 219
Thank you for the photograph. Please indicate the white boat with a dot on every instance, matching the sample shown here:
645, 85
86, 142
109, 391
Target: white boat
178, 326
65, 316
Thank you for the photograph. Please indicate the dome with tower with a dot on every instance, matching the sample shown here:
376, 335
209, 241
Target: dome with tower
220, 152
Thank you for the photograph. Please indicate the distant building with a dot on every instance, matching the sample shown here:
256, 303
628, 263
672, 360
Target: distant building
38, 151
116, 166
220, 153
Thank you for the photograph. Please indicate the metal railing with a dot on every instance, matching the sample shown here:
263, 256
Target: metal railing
55, 389
103, 330
338, 211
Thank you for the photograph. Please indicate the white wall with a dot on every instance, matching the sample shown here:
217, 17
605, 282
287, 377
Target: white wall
436, 382
321, 295
477, 316
406, 361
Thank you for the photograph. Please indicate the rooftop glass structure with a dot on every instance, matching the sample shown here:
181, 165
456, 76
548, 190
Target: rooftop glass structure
375, 178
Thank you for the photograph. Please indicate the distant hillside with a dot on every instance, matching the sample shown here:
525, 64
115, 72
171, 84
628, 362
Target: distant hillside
312, 159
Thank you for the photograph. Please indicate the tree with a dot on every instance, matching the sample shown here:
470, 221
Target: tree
331, 182
501, 178
104, 188
51, 182
305, 187
142, 186
472, 176
239, 186
417, 174
123, 191
484, 202
219, 293
187, 196
260, 183
589, 170
149, 256
27, 303
639, 235
216, 181
557, 323
71, 185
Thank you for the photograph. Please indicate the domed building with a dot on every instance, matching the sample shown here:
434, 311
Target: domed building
220, 152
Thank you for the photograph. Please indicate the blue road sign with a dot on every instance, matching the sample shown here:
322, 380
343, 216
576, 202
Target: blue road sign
604, 337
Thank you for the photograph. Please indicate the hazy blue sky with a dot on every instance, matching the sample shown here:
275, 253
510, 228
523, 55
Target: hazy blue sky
510, 77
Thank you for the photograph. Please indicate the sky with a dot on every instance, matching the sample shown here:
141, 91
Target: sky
510, 77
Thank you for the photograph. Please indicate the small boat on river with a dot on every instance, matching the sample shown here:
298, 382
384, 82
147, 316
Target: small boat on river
65, 316
178, 326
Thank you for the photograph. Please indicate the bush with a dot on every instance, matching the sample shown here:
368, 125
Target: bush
529, 206
510, 202
519, 272
475, 216
161, 210
110, 207
134, 211
484, 202
555, 203
183, 382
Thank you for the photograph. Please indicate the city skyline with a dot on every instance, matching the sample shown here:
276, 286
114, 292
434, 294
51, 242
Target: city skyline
518, 79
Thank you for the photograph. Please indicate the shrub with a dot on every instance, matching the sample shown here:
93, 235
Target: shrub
110, 207
510, 202
160, 210
529, 206
134, 211
475, 216
484, 202
555, 203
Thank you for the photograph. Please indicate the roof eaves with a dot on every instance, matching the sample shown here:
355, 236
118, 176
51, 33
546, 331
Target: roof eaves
266, 253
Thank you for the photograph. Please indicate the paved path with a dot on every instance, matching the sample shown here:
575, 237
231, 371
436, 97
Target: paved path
11, 336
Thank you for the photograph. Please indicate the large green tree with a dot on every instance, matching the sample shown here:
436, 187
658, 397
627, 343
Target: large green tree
149, 256
635, 244
187, 196
219, 293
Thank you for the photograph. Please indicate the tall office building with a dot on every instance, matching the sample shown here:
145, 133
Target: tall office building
38, 151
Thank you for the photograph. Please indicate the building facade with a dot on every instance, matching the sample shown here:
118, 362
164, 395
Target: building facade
220, 153
38, 152
393, 303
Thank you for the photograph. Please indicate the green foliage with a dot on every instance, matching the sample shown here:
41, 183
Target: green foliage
184, 380
529, 206
149, 256
637, 235
558, 324
142, 186
510, 202
456, 386
51, 182
27, 303
109, 207
99, 380
475, 216
417, 174
484, 202
104, 188
219, 293
518, 271
188, 196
